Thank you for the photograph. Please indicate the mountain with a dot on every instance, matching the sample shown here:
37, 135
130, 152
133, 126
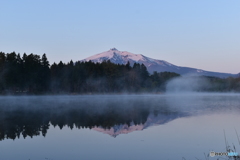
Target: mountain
152, 120
122, 57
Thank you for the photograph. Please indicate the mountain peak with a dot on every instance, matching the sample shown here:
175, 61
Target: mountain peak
113, 49
123, 57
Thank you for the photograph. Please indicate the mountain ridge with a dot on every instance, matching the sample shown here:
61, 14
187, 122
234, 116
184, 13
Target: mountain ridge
123, 57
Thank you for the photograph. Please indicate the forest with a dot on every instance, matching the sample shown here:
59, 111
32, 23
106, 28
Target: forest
32, 74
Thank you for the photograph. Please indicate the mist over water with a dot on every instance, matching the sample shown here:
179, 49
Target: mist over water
188, 94
187, 83
173, 100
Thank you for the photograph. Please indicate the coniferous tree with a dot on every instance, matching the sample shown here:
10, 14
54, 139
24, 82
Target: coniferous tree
45, 74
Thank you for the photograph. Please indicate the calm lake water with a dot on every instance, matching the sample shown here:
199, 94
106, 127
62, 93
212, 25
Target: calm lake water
129, 127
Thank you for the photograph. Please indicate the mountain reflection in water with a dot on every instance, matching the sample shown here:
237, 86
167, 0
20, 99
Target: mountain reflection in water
113, 115
32, 116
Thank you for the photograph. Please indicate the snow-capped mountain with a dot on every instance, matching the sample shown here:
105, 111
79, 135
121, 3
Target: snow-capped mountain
152, 120
122, 57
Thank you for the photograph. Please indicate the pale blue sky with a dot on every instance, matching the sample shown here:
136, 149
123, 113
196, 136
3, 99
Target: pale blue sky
202, 34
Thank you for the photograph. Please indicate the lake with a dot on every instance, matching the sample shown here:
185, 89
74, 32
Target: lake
130, 127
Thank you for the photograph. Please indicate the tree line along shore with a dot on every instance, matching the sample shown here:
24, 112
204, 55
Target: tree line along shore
32, 74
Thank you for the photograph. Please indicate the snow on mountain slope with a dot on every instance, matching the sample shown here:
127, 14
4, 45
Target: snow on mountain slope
152, 120
113, 54
122, 57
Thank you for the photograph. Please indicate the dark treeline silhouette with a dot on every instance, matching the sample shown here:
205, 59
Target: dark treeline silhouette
29, 73
32, 74
229, 84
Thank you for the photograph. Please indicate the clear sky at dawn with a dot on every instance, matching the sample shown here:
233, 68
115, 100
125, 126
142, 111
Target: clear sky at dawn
200, 34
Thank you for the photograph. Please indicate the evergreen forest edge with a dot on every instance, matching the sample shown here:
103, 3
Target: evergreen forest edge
32, 74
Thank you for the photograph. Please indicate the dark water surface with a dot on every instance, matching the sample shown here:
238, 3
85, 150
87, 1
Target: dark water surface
118, 127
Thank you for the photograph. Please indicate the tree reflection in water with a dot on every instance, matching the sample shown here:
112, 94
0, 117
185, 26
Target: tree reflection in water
32, 116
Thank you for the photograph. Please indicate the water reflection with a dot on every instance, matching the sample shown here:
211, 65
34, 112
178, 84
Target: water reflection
151, 120
113, 115
32, 116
